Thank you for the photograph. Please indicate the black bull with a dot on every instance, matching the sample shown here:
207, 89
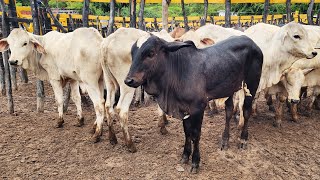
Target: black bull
183, 79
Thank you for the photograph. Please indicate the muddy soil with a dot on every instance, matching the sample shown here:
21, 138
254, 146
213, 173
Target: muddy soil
32, 148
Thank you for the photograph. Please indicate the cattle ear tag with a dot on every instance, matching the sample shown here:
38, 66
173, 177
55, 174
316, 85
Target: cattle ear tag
4, 45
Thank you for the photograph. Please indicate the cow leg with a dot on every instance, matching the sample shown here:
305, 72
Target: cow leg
96, 96
162, 121
279, 110
196, 123
58, 93
229, 113
187, 143
269, 102
294, 111
122, 110
247, 110
76, 98
213, 109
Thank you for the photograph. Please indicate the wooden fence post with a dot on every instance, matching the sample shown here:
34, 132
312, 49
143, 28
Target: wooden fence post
133, 18
85, 13
111, 20
185, 18
156, 24
310, 12
205, 15
288, 10
36, 30
212, 20
228, 13
266, 11
165, 5
2, 77
141, 13
5, 32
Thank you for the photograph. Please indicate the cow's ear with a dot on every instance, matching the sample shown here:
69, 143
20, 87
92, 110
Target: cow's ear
38, 46
207, 41
4, 45
176, 45
284, 36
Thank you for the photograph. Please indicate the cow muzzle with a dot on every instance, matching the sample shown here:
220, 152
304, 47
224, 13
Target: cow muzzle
131, 82
313, 54
294, 101
13, 63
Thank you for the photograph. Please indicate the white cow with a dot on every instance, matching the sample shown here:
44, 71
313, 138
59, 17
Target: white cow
59, 58
116, 50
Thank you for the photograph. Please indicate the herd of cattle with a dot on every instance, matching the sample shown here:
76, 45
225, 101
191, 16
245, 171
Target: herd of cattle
184, 72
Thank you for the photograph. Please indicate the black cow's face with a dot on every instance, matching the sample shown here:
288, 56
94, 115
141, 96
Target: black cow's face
148, 61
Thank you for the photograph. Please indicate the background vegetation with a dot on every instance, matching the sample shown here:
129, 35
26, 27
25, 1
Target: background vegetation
154, 10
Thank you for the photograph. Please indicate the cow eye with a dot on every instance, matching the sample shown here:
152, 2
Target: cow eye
24, 44
297, 37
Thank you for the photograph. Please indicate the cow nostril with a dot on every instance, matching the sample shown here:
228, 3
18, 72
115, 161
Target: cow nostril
294, 101
14, 62
128, 81
314, 53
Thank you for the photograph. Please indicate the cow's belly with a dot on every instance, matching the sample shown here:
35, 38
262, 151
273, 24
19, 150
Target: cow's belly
224, 90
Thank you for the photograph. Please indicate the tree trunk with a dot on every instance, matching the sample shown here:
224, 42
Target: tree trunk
141, 12
310, 12
111, 20
266, 11
156, 24
36, 30
133, 18
185, 18
85, 13
228, 14
5, 32
288, 9
165, 5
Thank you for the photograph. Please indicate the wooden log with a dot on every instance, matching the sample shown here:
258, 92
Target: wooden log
36, 30
66, 97
239, 21
141, 13
310, 12
111, 20
252, 21
85, 13
288, 10
11, 19
165, 5
272, 19
13, 74
185, 18
266, 11
228, 13
23, 75
5, 33
58, 18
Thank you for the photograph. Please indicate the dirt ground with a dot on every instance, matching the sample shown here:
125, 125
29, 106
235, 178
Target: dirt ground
31, 148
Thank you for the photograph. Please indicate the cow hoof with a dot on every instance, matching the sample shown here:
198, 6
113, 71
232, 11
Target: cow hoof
60, 123
224, 144
194, 168
113, 139
96, 137
93, 130
271, 108
132, 148
163, 130
243, 144
184, 159
277, 124
80, 122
